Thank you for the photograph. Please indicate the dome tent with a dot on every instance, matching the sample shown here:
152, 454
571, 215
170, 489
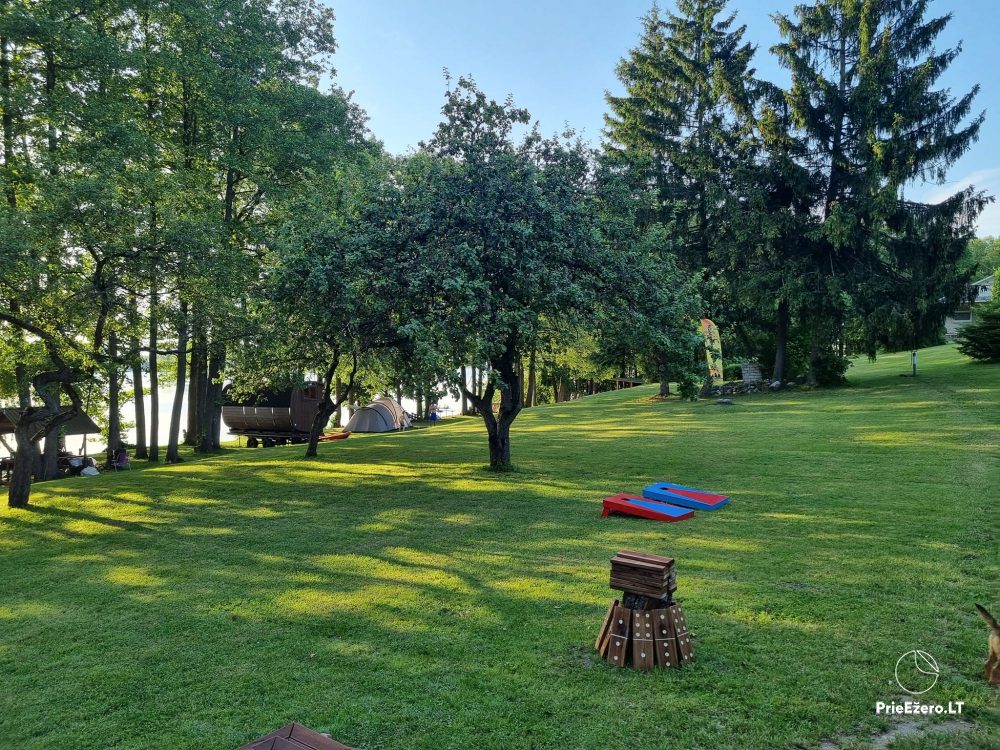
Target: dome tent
381, 415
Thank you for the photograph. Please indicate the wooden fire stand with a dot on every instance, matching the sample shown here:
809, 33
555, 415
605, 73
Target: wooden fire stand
646, 627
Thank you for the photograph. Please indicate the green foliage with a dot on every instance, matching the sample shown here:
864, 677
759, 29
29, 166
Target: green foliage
863, 97
501, 235
980, 339
771, 280
330, 299
149, 153
983, 257
568, 359
676, 132
440, 603
520, 243
656, 316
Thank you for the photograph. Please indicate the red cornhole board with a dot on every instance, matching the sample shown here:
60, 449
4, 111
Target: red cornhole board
630, 505
687, 497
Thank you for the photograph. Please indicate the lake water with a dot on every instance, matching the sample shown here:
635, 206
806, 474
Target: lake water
95, 443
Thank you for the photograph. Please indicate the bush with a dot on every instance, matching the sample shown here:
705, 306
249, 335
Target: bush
981, 339
830, 368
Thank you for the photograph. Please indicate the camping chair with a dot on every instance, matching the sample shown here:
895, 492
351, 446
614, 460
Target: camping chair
121, 461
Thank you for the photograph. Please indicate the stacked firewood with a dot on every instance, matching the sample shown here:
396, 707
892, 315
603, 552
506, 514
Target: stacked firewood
646, 627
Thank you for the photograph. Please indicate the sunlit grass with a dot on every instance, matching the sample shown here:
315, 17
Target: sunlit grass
396, 595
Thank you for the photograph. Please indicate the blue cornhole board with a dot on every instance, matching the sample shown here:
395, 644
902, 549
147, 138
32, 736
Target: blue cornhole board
672, 511
686, 497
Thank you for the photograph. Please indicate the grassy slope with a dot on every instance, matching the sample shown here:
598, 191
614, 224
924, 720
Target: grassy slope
395, 594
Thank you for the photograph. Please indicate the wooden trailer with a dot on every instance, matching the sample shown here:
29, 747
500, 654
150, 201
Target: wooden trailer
274, 417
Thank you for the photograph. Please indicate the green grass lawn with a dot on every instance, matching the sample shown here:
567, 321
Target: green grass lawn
396, 595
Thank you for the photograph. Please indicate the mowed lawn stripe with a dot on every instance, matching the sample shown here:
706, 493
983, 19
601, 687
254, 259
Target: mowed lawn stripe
397, 595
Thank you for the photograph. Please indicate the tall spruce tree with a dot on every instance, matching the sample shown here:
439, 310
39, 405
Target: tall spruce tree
640, 125
688, 94
863, 95
766, 247
679, 129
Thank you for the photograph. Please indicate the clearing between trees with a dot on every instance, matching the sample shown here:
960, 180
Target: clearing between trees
397, 595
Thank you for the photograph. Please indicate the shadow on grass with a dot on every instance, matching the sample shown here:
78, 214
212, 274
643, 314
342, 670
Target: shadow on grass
394, 589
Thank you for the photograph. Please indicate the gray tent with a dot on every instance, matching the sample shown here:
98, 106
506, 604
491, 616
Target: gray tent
381, 415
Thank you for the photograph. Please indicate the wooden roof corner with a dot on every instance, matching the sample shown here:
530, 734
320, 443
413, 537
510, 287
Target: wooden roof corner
294, 736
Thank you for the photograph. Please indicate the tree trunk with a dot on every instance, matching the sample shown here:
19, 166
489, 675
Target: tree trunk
154, 381
216, 421
50, 455
780, 342
46, 462
114, 398
326, 410
197, 374
23, 385
465, 386
499, 439
663, 373
32, 421
7, 123
509, 409
191, 416
339, 407
140, 404
333, 398
811, 378
562, 390
210, 413
511, 403
532, 398
173, 456
19, 490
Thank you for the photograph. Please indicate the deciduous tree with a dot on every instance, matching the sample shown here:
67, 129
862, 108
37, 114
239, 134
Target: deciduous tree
506, 234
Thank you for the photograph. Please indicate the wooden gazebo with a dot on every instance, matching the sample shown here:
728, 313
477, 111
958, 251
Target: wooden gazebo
81, 424
294, 737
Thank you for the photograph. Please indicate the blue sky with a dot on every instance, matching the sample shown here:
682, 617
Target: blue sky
557, 59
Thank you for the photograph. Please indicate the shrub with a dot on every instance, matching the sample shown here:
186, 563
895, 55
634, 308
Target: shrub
981, 339
830, 368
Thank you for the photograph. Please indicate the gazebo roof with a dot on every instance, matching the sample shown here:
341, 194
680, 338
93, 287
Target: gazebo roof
81, 424
294, 737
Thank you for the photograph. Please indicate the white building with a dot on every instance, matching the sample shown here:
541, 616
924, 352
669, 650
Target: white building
980, 292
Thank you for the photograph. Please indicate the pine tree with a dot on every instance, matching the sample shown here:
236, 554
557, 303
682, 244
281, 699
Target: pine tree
640, 125
677, 132
766, 245
863, 95
688, 96
981, 339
